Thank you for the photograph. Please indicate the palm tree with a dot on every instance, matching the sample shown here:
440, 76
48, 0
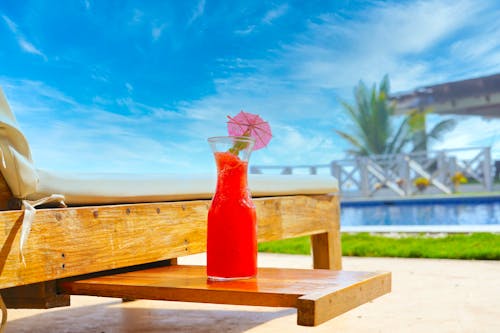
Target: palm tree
373, 131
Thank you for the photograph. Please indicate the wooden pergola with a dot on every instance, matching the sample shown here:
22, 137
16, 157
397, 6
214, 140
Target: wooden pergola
471, 97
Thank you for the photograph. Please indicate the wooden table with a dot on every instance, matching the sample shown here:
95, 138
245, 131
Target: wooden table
318, 294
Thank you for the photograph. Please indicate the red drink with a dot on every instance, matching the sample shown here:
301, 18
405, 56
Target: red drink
232, 223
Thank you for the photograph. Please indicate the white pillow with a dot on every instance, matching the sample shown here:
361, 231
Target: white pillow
16, 164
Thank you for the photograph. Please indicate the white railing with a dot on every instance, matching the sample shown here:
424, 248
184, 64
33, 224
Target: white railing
397, 173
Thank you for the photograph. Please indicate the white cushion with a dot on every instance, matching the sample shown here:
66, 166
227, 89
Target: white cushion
16, 164
96, 188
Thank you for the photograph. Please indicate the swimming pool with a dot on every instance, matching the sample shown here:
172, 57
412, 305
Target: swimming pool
429, 214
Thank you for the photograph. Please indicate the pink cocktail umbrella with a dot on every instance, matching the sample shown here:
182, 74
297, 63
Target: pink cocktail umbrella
248, 124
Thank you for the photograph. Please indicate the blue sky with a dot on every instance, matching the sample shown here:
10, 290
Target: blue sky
135, 86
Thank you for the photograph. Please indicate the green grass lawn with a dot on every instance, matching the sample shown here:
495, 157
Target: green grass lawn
485, 246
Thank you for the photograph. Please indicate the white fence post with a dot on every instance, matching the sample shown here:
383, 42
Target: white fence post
404, 174
363, 174
487, 176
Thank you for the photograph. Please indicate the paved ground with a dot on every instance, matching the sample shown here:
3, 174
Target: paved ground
428, 296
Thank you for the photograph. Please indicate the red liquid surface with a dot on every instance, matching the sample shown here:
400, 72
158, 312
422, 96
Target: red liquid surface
232, 223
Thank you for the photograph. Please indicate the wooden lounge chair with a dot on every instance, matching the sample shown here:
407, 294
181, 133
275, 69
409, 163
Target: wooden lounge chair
122, 239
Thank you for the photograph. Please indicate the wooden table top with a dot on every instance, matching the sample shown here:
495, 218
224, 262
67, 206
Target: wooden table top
271, 287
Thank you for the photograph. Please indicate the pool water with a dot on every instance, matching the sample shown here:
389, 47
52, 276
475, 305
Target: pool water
397, 214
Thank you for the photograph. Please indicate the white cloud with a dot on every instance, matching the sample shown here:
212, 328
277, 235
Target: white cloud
385, 39
23, 43
34, 92
10, 24
137, 16
30, 48
475, 49
129, 87
198, 11
275, 13
268, 18
482, 49
246, 31
102, 101
473, 132
99, 73
157, 31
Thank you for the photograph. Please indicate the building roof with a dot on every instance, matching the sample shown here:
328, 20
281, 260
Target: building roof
471, 97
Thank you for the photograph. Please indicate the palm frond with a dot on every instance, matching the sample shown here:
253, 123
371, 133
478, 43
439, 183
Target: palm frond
401, 139
352, 140
438, 131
